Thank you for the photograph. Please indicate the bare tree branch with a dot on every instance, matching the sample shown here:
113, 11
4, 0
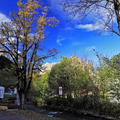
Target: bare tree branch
104, 10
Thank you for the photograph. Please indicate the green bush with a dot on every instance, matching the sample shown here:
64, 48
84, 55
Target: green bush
116, 112
61, 101
48, 101
40, 102
78, 103
107, 108
57, 101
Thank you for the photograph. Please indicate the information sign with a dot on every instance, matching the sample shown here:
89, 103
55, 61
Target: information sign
1, 91
60, 90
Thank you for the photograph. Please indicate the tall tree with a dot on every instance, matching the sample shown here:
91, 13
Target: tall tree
114, 71
106, 12
21, 39
108, 76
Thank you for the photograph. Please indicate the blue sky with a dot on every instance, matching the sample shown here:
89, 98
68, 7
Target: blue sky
70, 37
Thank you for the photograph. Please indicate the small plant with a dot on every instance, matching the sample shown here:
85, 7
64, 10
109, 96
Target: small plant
40, 102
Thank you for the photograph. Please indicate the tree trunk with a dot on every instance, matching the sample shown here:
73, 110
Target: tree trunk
21, 100
116, 7
18, 100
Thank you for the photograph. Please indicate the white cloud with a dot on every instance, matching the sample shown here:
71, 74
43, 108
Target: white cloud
96, 18
90, 48
3, 18
101, 19
68, 28
89, 27
59, 40
76, 43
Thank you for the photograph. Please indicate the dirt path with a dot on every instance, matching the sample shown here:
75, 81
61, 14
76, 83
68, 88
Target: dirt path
6, 115
24, 115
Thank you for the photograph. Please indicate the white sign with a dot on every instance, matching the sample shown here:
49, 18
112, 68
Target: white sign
1, 91
60, 90
15, 90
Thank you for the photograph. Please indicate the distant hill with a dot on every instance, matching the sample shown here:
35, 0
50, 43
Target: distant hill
46, 67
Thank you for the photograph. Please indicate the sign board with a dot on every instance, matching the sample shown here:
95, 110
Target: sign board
15, 90
1, 92
60, 90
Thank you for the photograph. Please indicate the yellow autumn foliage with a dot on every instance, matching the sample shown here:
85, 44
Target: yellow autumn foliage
34, 13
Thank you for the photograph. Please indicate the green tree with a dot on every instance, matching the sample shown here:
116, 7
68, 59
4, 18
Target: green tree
42, 84
73, 75
103, 78
114, 81
21, 39
108, 76
58, 78
39, 87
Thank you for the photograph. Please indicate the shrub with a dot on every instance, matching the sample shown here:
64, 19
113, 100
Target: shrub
107, 108
57, 101
40, 102
61, 101
48, 101
78, 103
116, 112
